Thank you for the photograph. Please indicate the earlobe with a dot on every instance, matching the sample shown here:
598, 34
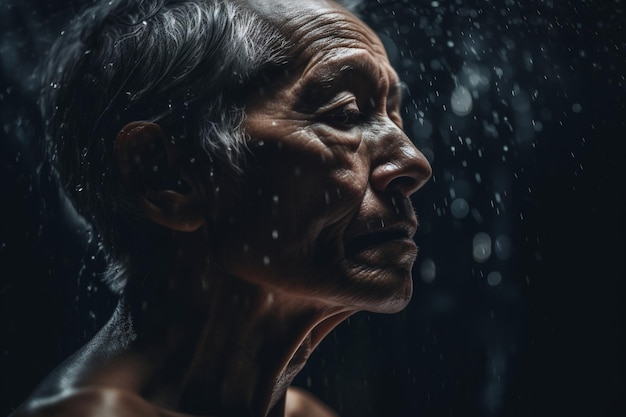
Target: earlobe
156, 172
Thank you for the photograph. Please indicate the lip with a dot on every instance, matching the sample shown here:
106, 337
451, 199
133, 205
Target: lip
398, 233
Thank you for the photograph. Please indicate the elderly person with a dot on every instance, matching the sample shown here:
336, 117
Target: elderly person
245, 167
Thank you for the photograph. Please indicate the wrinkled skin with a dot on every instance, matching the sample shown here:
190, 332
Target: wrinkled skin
324, 229
327, 213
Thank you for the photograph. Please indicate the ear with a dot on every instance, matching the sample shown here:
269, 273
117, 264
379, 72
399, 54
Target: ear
158, 174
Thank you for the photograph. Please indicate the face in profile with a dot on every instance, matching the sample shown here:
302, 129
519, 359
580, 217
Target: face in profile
326, 212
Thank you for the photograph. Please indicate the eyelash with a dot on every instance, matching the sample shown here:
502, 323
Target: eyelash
345, 116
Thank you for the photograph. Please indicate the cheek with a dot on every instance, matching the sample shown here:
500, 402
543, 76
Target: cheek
292, 213
302, 179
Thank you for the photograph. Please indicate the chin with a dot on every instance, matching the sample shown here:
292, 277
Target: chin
397, 300
385, 291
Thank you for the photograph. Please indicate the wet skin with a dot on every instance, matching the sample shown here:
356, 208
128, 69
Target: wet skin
327, 213
323, 229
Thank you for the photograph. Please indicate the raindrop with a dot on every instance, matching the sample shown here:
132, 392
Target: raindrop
481, 247
494, 278
474, 79
459, 208
577, 108
266, 260
503, 247
461, 101
274, 234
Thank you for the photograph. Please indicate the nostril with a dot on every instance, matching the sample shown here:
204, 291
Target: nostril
405, 184
404, 178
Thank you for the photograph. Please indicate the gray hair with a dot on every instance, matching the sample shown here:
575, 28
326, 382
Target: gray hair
185, 64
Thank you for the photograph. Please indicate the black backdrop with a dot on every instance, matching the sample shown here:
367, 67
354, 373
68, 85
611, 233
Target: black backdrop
518, 311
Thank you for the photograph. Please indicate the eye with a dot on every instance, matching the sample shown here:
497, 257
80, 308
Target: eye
346, 115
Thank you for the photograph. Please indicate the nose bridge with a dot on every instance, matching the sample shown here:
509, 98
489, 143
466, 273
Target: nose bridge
396, 163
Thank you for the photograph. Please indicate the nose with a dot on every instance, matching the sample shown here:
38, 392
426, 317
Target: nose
399, 166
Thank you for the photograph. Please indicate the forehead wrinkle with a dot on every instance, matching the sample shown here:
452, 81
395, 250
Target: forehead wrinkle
331, 30
335, 38
326, 42
325, 67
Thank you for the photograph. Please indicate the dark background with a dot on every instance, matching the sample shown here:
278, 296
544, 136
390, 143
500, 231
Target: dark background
518, 306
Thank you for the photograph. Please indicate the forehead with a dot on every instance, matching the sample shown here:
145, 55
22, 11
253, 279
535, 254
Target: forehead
322, 34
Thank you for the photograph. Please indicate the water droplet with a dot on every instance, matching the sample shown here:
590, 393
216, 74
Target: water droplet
494, 278
459, 208
461, 101
503, 247
481, 247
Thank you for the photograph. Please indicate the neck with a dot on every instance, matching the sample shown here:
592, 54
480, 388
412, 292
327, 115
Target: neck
227, 347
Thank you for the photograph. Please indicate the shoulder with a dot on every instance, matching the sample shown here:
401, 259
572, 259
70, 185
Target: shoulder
87, 403
300, 403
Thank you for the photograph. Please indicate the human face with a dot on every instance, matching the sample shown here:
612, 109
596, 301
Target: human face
326, 213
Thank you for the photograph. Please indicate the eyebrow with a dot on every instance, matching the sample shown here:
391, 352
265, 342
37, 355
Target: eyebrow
359, 76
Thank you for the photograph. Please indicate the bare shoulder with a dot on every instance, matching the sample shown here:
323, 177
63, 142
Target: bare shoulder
300, 403
88, 403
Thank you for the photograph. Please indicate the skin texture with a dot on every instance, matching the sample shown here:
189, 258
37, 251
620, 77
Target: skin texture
334, 130
323, 229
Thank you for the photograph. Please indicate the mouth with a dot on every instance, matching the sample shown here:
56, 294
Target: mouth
384, 237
